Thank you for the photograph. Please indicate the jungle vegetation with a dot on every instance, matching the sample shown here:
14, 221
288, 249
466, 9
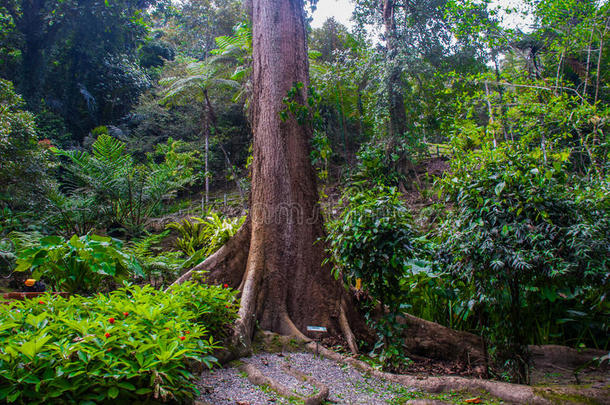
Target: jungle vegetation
434, 160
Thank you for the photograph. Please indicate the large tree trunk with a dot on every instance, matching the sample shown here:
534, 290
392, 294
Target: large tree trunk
285, 286
274, 259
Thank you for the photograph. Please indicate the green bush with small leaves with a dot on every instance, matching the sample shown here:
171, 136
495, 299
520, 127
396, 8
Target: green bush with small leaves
532, 245
134, 344
373, 241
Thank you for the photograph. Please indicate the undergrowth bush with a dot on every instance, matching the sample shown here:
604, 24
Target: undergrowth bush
205, 235
373, 244
160, 267
80, 264
532, 246
133, 344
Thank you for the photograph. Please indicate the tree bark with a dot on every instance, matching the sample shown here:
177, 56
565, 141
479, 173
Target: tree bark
274, 259
431, 340
285, 285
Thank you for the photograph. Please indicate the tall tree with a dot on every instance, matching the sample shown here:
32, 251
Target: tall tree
395, 85
330, 37
38, 23
274, 259
193, 86
284, 285
78, 56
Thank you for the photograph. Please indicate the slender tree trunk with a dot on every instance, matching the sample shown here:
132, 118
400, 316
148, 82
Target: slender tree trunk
500, 93
491, 115
584, 91
342, 122
398, 118
557, 75
396, 104
599, 58
207, 174
205, 129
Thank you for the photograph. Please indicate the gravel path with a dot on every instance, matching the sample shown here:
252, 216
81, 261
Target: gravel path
228, 386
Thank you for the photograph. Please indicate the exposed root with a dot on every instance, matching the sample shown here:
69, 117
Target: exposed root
228, 263
347, 330
323, 390
291, 330
505, 391
250, 286
255, 376
432, 340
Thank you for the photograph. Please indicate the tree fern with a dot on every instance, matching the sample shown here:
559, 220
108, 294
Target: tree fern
108, 187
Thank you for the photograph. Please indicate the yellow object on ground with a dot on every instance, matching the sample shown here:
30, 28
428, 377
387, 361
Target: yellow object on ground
30, 282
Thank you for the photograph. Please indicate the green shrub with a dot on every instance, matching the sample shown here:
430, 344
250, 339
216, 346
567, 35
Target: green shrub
373, 241
131, 345
376, 166
380, 164
205, 235
24, 160
80, 264
530, 242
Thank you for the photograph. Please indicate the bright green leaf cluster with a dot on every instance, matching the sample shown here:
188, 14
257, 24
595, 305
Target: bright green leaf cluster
80, 264
133, 344
373, 241
205, 234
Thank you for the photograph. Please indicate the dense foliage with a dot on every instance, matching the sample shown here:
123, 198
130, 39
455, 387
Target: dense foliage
372, 247
109, 189
132, 344
472, 157
373, 241
24, 163
81, 264
534, 246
